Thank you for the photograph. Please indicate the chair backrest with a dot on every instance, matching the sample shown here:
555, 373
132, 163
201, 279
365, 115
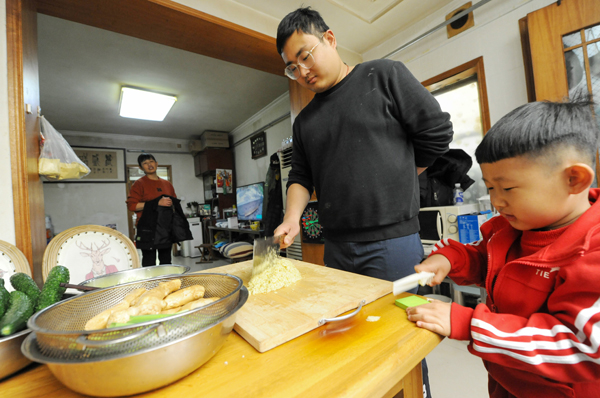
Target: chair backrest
12, 260
90, 248
207, 222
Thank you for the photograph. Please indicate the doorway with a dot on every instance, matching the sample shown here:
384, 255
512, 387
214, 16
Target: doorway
160, 21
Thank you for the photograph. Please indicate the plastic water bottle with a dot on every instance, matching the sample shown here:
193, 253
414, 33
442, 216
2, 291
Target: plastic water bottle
458, 193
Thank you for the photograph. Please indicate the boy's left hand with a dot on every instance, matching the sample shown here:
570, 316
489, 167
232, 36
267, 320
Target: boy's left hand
434, 316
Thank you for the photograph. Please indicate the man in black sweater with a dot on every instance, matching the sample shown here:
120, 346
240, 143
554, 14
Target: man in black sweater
361, 143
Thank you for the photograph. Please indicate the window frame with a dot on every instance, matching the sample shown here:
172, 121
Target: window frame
465, 71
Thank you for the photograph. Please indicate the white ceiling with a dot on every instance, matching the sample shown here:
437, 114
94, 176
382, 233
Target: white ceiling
82, 68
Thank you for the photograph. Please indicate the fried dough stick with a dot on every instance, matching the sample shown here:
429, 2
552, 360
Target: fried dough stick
100, 320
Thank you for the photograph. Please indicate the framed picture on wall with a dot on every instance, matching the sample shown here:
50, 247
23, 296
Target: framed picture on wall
258, 144
106, 164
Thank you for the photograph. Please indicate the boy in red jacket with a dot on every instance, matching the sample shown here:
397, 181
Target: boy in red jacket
539, 331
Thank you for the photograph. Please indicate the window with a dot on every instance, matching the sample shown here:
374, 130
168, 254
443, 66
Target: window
582, 58
462, 93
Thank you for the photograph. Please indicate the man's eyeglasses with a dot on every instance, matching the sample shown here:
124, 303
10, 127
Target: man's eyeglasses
305, 60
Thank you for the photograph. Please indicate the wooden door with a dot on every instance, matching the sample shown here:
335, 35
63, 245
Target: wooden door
557, 33
564, 42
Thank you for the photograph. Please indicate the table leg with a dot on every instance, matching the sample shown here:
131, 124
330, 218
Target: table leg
411, 386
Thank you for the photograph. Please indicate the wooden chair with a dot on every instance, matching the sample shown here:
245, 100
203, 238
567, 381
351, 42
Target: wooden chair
206, 247
12, 260
90, 248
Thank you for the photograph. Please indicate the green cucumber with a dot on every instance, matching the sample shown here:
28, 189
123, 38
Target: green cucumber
15, 319
4, 298
23, 283
52, 291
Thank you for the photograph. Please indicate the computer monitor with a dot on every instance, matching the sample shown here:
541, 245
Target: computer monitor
249, 200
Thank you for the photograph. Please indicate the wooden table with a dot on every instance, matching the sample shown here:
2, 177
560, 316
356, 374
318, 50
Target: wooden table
353, 358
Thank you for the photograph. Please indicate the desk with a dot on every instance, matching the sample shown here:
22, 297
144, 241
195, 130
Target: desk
356, 359
231, 231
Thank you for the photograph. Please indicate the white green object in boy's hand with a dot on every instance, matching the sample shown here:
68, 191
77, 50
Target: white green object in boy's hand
412, 281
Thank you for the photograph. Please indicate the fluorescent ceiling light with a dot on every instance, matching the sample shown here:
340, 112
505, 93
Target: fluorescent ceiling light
140, 104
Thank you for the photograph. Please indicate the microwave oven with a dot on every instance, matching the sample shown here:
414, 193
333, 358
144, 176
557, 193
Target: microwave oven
441, 222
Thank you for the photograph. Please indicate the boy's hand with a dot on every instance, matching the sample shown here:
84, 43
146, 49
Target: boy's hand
437, 264
434, 317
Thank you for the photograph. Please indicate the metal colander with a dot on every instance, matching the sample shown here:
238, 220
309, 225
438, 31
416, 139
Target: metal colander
60, 327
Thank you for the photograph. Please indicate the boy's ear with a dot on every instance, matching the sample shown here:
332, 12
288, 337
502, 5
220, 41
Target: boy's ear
580, 177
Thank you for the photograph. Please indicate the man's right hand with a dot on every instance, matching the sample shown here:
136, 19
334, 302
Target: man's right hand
288, 230
165, 201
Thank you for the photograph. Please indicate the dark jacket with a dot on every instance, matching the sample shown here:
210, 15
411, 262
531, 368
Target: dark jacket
273, 202
437, 182
159, 227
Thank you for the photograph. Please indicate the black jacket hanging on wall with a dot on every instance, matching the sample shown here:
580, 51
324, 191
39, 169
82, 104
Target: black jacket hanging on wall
159, 227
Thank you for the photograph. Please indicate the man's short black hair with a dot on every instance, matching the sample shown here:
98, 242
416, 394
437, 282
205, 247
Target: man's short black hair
143, 157
303, 19
541, 128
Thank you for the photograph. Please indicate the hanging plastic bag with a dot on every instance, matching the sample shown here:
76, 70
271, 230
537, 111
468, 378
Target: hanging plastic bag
57, 160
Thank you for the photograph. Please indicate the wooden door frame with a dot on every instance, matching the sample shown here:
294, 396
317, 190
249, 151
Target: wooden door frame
160, 21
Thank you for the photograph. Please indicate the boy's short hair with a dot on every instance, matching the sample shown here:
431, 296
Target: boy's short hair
143, 157
303, 19
539, 128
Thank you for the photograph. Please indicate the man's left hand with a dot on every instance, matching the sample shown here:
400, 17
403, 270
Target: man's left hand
434, 317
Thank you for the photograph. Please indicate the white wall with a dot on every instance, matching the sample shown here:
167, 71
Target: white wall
73, 204
248, 170
495, 37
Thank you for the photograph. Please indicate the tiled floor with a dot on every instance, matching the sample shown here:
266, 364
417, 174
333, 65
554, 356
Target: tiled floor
453, 371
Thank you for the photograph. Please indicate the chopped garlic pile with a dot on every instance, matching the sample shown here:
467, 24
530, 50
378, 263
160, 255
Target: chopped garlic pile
275, 273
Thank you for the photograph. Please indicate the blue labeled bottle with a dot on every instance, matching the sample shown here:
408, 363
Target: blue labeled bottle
458, 193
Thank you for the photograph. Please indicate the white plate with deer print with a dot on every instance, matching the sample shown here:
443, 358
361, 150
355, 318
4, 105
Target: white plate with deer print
92, 254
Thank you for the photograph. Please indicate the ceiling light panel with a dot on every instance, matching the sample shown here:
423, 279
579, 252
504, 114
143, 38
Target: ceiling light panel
146, 105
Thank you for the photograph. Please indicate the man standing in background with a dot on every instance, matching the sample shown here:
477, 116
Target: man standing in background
146, 189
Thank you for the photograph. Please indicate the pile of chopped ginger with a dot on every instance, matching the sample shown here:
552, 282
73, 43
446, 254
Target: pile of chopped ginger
273, 273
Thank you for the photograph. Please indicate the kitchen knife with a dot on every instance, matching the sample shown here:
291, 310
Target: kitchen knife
412, 281
269, 245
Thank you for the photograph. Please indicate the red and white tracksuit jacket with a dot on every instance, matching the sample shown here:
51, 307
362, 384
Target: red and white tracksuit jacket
539, 331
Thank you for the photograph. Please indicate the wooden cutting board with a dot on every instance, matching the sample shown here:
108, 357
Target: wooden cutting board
270, 319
